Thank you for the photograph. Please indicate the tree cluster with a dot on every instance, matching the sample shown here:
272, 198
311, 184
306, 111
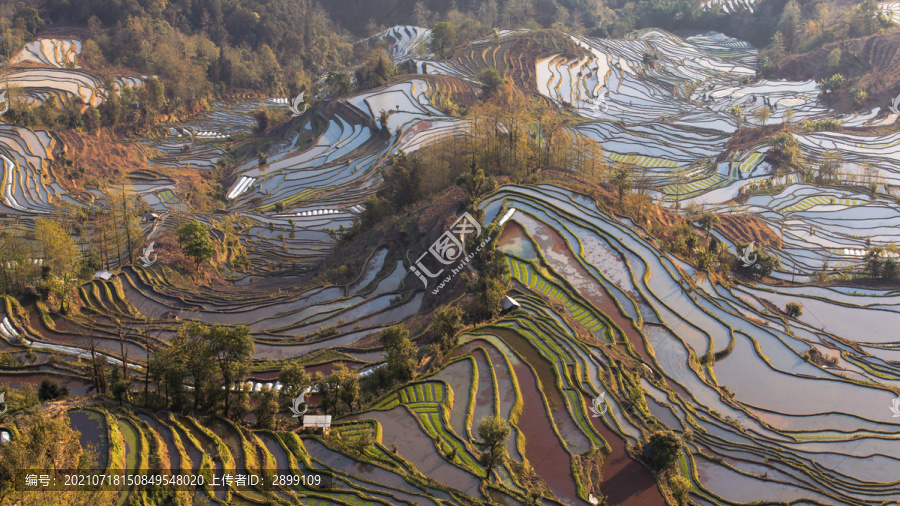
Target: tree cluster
43, 442
45, 258
201, 367
338, 390
200, 48
195, 242
765, 263
377, 71
880, 262
401, 353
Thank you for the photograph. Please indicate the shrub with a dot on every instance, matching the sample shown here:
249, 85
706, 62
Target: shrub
680, 488
50, 390
667, 447
832, 83
491, 80
828, 124
793, 309
858, 96
262, 119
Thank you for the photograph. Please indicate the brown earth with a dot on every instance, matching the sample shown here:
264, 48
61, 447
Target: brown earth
524, 53
625, 481
739, 228
750, 137
875, 60
101, 156
106, 160
324, 368
461, 92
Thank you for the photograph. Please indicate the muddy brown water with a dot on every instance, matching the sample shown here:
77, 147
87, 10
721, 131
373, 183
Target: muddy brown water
625, 481
484, 393
102, 342
550, 241
504, 388
209, 447
543, 448
275, 448
376, 475
193, 453
459, 376
76, 387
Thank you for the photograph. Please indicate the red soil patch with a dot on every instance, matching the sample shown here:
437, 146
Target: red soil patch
739, 228
101, 156
105, 159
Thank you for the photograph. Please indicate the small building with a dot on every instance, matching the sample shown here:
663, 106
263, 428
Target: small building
104, 275
149, 217
319, 424
508, 304
5, 437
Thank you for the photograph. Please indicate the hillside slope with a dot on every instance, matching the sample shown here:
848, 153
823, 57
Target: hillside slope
875, 60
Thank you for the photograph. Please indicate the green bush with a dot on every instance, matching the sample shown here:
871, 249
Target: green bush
667, 447
793, 309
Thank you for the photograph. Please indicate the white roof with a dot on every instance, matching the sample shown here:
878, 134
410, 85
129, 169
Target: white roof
103, 274
4, 436
317, 420
509, 302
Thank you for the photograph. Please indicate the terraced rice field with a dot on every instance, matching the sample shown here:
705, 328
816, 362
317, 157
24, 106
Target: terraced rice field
53, 52
603, 311
405, 42
764, 370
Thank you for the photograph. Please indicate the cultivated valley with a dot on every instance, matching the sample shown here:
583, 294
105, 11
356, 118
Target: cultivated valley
503, 252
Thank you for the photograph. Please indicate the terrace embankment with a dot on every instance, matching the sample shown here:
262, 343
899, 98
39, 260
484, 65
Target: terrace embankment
543, 448
553, 245
663, 222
